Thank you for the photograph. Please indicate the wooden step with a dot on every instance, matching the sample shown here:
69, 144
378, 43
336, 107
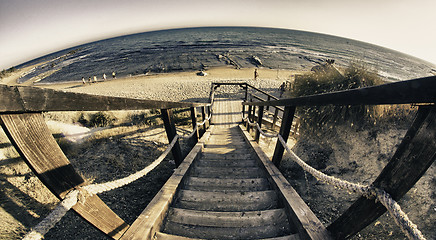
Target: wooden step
227, 219
268, 231
213, 184
228, 172
166, 236
227, 156
225, 163
227, 201
225, 150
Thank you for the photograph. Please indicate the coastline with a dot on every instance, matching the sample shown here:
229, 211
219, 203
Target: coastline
173, 86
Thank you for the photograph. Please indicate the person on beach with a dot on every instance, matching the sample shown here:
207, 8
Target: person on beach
89, 80
83, 80
104, 76
256, 74
113, 75
95, 79
282, 88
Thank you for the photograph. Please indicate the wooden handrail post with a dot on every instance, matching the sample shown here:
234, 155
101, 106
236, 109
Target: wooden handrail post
247, 124
276, 113
209, 113
194, 125
170, 128
268, 99
414, 156
259, 121
203, 117
246, 92
285, 128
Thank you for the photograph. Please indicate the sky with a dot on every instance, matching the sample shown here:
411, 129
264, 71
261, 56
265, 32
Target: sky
33, 28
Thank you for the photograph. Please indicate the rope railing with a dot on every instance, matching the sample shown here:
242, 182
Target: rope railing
400, 218
190, 135
78, 195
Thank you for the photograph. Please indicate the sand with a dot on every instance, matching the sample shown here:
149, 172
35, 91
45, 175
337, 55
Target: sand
122, 150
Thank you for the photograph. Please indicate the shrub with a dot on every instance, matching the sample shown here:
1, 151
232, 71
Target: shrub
101, 119
82, 120
315, 119
144, 118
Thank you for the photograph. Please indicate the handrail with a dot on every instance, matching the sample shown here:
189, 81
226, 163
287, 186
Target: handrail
16, 99
421, 90
412, 158
261, 91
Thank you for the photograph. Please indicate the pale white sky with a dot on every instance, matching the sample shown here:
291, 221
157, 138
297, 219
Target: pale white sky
32, 28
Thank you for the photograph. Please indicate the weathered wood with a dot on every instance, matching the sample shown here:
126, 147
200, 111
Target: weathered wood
32, 139
247, 124
227, 172
196, 136
300, 215
33, 99
259, 121
285, 129
227, 201
203, 118
212, 184
261, 91
151, 219
422, 90
268, 99
170, 128
274, 122
227, 219
413, 157
202, 232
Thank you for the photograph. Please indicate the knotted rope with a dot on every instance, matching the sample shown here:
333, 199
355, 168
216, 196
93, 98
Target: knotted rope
196, 128
77, 195
400, 218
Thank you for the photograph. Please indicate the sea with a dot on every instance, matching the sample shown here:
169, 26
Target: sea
207, 47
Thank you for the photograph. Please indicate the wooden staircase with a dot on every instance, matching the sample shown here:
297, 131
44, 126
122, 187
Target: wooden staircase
226, 195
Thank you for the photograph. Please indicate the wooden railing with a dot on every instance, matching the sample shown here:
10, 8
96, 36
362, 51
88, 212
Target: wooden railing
21, 118
413, 157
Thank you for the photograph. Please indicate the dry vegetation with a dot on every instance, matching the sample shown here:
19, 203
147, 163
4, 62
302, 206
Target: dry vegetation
123, 143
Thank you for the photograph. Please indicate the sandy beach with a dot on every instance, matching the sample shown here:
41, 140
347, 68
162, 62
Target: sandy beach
175, 86
357, 156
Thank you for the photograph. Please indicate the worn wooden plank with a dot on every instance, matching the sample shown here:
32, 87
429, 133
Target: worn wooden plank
413, 157
151, 219
227, 201
260, 232
203, 118
33, 99
259, 121
227, 219
299, 213
285, 129
226, 172
213, 184
170, 128
196, 135
422, 90
32, 139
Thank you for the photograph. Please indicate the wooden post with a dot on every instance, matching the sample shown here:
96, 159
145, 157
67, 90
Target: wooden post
276, 113
268, 99
209, 113
194, 125
247, 124
246, 92
32, 139
203, 117
285, 128
170, 128
259, 121
413, 157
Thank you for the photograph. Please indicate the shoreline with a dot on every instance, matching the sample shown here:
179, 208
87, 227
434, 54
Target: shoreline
173, 86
